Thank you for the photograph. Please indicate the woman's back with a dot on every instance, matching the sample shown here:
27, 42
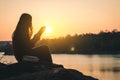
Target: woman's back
21, 47
21, 38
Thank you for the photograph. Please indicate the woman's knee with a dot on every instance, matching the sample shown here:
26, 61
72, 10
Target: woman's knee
45, 48
43, 53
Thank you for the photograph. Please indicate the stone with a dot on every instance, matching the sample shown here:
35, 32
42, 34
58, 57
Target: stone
36, 71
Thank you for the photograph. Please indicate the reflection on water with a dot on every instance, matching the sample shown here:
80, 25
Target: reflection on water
104, 67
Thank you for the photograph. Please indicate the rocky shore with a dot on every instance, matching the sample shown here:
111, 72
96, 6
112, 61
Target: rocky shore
36, 71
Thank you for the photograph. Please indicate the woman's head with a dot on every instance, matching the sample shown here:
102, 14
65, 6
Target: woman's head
24, 26
25, 19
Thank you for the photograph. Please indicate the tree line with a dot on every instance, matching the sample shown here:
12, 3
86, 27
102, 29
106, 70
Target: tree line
89, 43
104, 42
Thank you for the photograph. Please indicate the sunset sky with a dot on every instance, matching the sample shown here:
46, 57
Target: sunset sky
62, 16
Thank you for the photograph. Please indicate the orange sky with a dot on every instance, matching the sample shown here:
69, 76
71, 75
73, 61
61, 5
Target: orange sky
63, 16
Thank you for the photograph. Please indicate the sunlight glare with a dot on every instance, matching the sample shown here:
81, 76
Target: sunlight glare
72, 49
48, 30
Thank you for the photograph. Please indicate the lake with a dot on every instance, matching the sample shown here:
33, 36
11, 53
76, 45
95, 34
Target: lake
103, 67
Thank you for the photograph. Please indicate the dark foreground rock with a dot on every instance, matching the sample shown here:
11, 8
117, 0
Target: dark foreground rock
33, 71
2, 65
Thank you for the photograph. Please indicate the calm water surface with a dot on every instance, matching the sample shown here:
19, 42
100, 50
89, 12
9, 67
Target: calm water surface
103, 67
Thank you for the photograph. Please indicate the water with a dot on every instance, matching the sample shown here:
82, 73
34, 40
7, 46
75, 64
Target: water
103, 67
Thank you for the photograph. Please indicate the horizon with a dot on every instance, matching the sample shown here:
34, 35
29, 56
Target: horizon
63, 16
106, 31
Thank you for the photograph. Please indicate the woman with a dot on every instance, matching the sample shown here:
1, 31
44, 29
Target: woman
23, 44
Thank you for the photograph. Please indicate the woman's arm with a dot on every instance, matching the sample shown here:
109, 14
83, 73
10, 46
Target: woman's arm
38, 35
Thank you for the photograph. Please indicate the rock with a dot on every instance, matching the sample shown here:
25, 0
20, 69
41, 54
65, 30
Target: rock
32, 71
2, 65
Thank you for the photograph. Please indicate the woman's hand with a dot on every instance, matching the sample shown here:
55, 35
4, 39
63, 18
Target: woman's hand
38, 34
42, 29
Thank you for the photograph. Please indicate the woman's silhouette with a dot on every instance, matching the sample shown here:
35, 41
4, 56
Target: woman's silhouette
23, 44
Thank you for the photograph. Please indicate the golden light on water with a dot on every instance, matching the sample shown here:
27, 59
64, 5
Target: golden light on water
72, 49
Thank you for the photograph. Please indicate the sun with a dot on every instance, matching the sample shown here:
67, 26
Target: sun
48, 30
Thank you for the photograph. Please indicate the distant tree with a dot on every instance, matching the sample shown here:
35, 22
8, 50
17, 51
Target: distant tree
89, 42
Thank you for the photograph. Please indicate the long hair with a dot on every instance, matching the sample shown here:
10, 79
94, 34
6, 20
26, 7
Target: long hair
22, 34
23, 28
